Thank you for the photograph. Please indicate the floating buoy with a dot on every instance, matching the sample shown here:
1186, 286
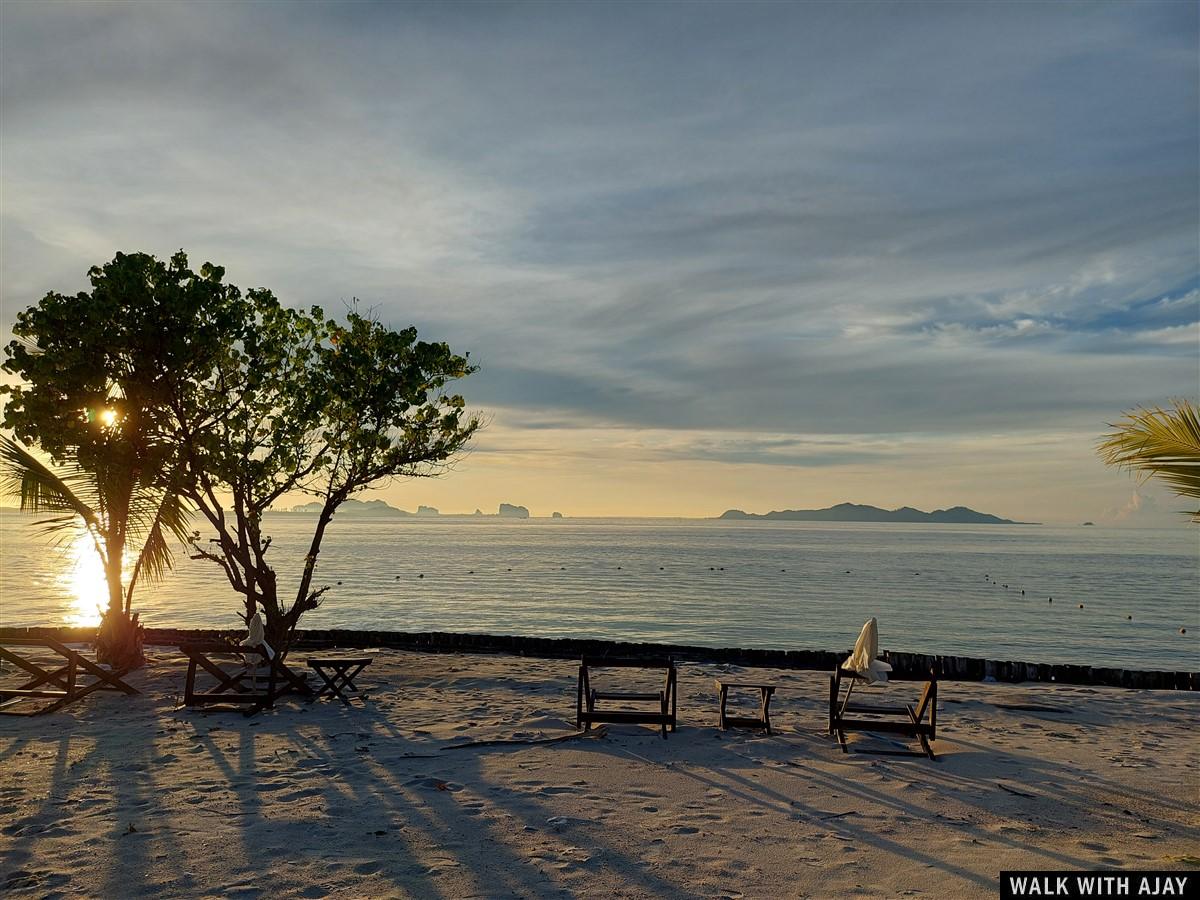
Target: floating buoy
508, 570
472, 572
422, 575
339, 582
783, 570
660, 568
847, 571
397, 577
1081, 606
1183, 631
1130, 618
722, 568
1022, 593
618, 568
1049, 599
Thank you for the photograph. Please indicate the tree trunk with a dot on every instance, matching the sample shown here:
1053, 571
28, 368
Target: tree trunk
275, 621
119, 637
119, 641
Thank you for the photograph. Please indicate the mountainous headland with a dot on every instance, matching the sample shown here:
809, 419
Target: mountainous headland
382, 509
855, 512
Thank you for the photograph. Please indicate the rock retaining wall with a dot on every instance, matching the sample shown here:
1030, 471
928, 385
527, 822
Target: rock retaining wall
905, 665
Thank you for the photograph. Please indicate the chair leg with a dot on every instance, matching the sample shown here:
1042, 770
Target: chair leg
674, 700
925, 746
579, 700
833, 696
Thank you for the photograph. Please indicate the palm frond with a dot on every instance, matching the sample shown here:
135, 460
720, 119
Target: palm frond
59, 529
172, 518
40, 489
1164, 443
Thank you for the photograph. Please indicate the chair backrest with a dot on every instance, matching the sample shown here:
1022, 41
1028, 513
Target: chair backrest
628, 662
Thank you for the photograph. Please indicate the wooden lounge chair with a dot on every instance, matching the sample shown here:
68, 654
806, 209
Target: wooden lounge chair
662, 713
77, 677
919, 722
231, 687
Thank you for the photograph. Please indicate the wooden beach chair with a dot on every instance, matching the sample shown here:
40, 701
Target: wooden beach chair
231, 686
74, 679
661, 713
918, 722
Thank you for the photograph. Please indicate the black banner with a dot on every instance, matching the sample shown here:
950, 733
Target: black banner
1100, 883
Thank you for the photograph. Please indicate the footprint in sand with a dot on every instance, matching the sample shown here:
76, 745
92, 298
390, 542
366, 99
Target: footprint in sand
301, 794
20, 829
26, 879
435, 784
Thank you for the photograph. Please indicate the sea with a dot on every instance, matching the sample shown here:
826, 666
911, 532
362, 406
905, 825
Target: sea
1089, 595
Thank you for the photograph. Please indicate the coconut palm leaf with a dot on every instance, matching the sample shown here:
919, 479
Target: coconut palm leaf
171, 519
41, 489
1164, 443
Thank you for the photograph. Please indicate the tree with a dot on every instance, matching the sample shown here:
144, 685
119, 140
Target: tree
123, 499
256, 400
1160, 442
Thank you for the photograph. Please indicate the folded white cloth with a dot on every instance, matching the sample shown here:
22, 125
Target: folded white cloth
257, 636
862, 660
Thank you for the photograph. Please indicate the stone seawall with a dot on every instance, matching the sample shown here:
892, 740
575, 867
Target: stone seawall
910, 666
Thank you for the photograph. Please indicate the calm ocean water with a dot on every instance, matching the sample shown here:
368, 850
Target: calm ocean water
935, 589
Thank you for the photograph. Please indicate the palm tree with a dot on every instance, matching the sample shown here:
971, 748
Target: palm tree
122, 499
1161, 442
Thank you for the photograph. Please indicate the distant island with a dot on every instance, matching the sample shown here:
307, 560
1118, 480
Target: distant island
382, 509
354, 508
854, 512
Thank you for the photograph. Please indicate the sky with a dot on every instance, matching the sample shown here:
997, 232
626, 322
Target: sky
707, 256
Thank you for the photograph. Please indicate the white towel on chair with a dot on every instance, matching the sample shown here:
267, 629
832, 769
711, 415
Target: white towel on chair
257, 635
862, 660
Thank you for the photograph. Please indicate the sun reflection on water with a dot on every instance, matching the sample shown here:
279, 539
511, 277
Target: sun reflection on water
83, 582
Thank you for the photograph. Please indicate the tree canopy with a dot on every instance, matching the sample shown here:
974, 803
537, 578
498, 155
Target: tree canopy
253, 399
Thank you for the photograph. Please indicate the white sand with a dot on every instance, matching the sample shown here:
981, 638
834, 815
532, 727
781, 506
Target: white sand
127, 797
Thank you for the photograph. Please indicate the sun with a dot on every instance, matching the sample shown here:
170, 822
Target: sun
108, 417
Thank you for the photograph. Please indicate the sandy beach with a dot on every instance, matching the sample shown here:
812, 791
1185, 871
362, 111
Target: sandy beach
127, 797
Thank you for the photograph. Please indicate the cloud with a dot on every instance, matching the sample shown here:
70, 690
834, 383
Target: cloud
1144, 510
729, 219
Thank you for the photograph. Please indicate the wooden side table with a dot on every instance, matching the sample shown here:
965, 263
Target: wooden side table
765, 692
338, 673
